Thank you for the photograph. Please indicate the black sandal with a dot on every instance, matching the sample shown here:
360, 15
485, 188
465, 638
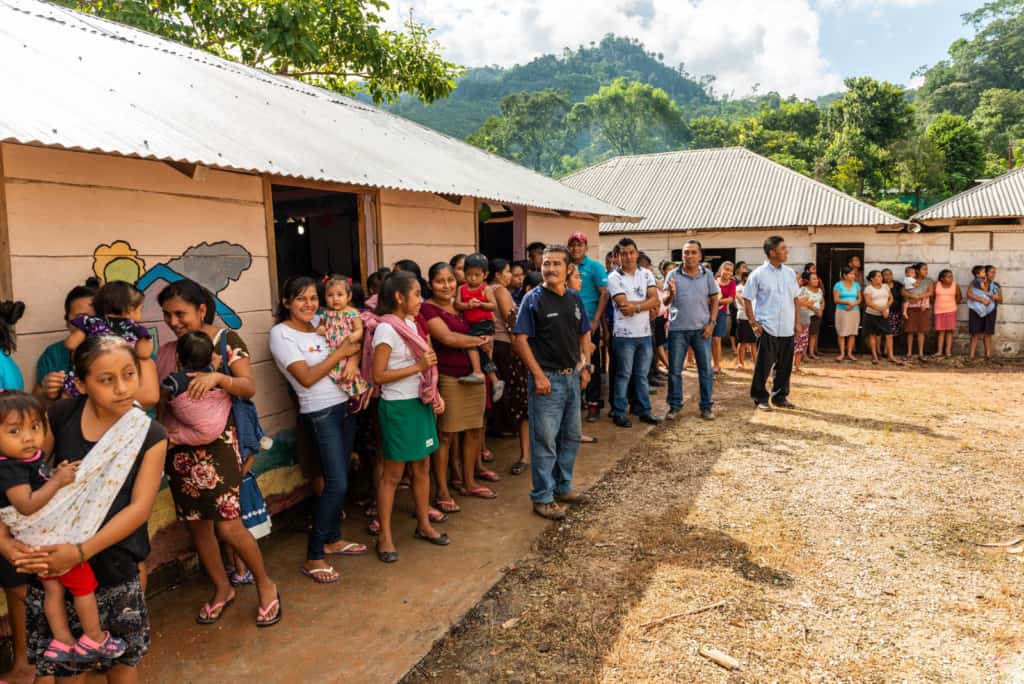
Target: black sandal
518, 467
387, 556
440, 540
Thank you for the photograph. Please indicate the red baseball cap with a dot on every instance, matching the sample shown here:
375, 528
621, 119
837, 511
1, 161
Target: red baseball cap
582, 237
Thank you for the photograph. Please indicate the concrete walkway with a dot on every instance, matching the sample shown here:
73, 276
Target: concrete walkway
379, 620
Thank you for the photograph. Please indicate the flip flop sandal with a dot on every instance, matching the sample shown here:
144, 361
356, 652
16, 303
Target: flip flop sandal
587, 439
237, 580
481, 493
404, 484
205, 616
447, 505
262, 614
434, 515
487, 476
440, 540
487, 456
518, 467
328, 574
350, 549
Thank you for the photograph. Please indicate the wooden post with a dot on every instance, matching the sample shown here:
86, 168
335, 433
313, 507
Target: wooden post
6, 280
268, 213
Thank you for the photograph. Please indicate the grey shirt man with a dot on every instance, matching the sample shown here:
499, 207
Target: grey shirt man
689, 308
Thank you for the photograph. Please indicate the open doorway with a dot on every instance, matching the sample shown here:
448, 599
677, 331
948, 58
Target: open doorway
830, 259
316, 233
716, 257
495, 236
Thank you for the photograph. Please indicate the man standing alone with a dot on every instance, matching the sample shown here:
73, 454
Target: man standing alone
635, 294
594, 295
771, 291
693, 295
551, 333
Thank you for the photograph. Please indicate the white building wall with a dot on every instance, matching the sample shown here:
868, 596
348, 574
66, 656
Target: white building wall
958, 250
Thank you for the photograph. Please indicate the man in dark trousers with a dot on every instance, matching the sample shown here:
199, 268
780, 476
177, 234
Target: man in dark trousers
770, 300
552, 332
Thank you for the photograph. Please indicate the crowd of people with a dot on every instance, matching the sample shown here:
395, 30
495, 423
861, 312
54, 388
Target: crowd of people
400, 384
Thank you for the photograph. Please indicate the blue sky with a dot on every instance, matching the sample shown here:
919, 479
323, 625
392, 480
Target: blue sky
890, 41
802, 47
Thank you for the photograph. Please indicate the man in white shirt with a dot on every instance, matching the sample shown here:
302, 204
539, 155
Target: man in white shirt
634, 294
770, 300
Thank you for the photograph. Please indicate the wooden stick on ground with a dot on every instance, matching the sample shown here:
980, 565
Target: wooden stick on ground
719, 658
673, 616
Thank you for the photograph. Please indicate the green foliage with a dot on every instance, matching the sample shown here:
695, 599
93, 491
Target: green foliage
340, 45
878, 110
713, 131
531, 130
628, 117
999, 119
993, 58
896, 207
961, 148
579, 72
920, 165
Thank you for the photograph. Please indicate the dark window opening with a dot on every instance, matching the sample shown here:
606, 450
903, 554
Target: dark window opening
316, 232
830, 260
495, 235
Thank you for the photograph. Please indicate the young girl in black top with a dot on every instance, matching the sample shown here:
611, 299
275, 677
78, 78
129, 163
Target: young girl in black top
107, 371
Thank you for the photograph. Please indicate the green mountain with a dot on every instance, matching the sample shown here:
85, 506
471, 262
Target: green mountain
581, 72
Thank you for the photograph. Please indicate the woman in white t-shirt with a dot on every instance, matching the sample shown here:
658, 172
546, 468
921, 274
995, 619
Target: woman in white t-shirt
402, 363
304, 358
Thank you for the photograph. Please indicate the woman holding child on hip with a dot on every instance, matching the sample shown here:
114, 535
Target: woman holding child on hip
204, 468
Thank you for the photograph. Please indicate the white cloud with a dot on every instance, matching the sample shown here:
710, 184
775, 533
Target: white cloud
773, 43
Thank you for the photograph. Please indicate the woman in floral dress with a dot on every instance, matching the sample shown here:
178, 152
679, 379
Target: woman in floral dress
205, 480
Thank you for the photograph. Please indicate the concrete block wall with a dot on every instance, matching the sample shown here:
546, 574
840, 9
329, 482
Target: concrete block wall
958, 251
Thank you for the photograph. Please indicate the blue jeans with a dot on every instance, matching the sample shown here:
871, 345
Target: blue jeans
633, 357
555, 431
678, 342
334, 430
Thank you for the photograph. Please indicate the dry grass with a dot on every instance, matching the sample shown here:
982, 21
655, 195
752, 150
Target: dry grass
839, 541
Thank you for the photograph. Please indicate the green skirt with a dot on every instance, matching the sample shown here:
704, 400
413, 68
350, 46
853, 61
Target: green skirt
408, 429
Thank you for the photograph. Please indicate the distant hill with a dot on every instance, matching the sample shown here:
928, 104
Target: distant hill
581, 72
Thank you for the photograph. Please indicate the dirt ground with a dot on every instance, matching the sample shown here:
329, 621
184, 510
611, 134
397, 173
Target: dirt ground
834, 542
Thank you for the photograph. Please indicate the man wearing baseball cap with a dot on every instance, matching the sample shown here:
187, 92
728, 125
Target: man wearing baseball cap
594, 295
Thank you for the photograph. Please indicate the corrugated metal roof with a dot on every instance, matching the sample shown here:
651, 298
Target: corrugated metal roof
78, 82
1001, 197
719, 189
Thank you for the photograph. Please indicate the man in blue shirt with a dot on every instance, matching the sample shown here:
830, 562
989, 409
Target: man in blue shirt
594, 295
551, 333
772, 292
693, 295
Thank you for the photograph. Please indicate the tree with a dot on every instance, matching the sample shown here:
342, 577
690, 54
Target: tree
993, 58
340, 45
628, 117
921, 166
962, 149
896, 207
999, 119
878, 110
531, 130
712, 131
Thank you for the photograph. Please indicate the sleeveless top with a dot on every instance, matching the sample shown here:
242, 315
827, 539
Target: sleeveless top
945, 298
501, 329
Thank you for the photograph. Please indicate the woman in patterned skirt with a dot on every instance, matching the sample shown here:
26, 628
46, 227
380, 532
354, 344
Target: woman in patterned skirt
205, 480
509, 414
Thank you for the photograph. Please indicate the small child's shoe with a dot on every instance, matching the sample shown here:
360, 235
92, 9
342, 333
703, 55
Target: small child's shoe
471, 380
59, 653
238, 579
89, 651
497, 391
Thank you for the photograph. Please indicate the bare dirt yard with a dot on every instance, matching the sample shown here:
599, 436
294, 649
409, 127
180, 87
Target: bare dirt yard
835, 542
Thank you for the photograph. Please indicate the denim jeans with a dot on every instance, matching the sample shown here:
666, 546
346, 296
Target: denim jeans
555, 431
678, 342
633, 358
334, 430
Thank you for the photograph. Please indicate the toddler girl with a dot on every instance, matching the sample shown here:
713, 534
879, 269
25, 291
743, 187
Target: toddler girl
118, 307
477, 304
341, 322
24, 490
909, 283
